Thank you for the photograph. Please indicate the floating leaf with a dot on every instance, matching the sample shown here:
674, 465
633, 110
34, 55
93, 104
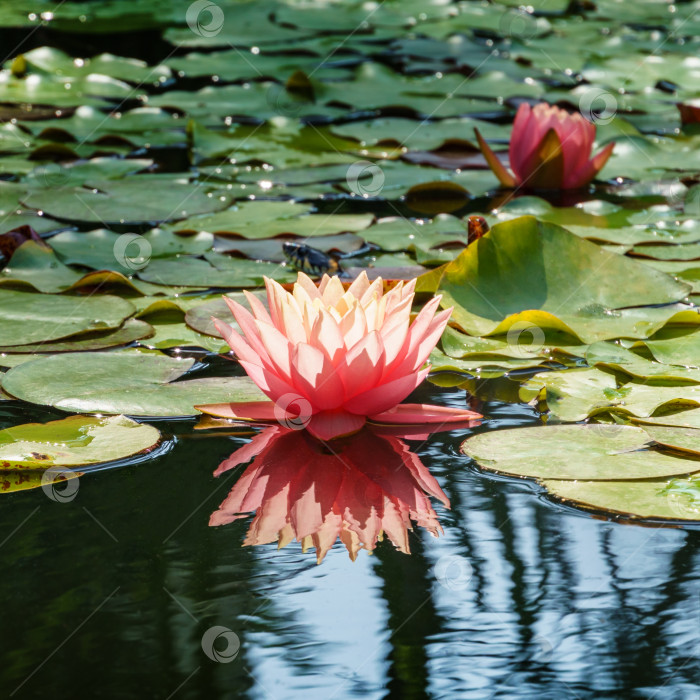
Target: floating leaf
524, 341
27, 318
132, 330
561, 281
139, 198
216, 271
677, 499
437, 197
586, 452
52, 61
677, 346
573, 395
73, 442
483, 365
104, 250
614, 357
132, 383
200, 318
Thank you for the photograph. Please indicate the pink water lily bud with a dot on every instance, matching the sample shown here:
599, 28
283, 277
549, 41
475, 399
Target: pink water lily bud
550, 149
330, 358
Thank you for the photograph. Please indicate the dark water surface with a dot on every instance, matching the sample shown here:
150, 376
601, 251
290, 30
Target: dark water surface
110, 594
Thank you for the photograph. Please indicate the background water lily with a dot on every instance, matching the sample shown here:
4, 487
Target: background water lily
331, 358
549, 149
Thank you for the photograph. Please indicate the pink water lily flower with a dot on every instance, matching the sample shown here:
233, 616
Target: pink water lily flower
550, 149
331, 358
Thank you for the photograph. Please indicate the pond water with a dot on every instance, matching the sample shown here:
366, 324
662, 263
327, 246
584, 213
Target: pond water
140, 579
110, 594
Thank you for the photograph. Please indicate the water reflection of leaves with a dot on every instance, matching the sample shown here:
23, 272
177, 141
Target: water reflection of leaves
357, 488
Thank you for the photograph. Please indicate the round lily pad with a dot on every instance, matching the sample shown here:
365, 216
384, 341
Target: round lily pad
129, 382
677, 499
27, 318
73, 442
527, 270
139, 198
105, 250
132, 330
201, 318
588, 452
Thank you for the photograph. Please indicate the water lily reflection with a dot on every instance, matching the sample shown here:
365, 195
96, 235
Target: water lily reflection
358, 489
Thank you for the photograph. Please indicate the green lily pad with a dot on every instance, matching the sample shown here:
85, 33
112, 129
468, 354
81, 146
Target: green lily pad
675, 499
573, 395
270, 249
216, 271
244, 218
686, 272
307, 226
74, 442
412, 134
403, 234
13, 481
688, 418
105, 250
523, 341
53, 62
139, 127
38, 267
54, 175
178, 335
676, 438
687, 251
200, 318
132, 383
132, 330
482, 365
627, 235
137, 199
17, 359
587, 452
561, 281
677, 346
608, 355
91, 89
27, 318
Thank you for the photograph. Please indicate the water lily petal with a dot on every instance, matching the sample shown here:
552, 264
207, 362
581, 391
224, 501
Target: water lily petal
423, 413
499, 170
331, 424
385, 396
